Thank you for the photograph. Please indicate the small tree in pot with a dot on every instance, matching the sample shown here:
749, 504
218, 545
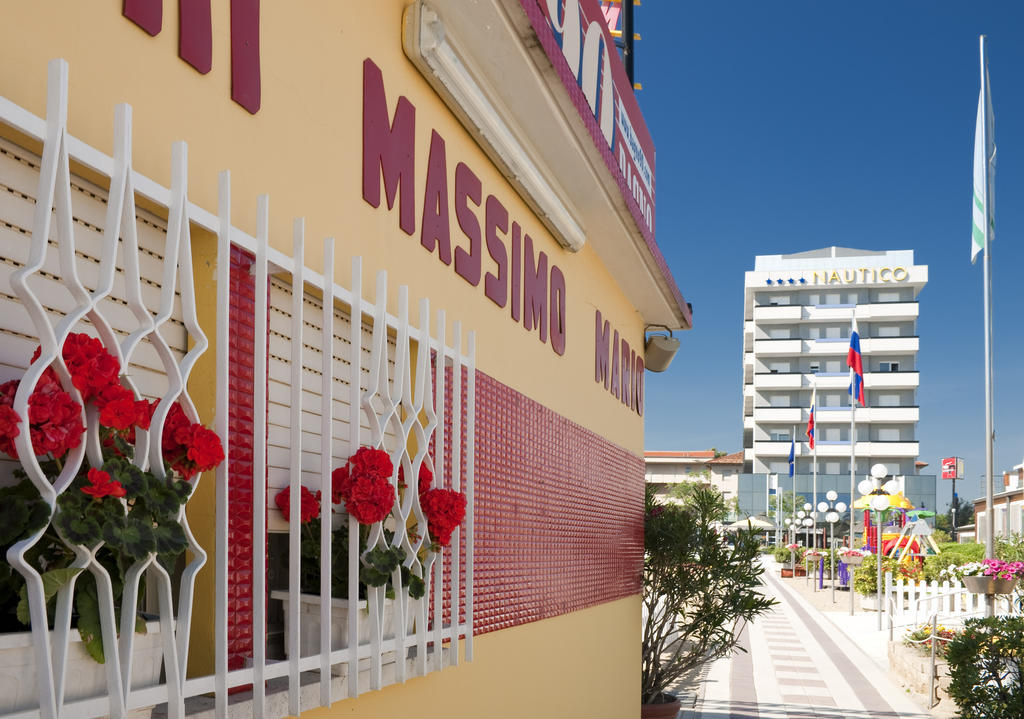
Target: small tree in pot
697, 590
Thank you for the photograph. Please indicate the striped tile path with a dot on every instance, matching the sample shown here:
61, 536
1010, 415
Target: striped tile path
797, 665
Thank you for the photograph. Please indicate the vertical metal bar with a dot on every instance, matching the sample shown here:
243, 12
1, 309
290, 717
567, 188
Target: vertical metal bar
401, 391
355, 401
295, 470
456, 584
931, 674
259, 478
221, 427
470, 480
987, 279
326, 456
440, 465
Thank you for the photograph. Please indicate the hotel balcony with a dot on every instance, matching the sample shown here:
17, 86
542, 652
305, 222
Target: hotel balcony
766, 348
890, 345
872, 380
791, 415
841, 415
778, 313
869, 345
778, 380
888, 311
891, 380
875, 449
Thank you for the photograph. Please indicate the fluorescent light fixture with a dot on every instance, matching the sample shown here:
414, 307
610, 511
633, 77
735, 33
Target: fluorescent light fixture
426, 42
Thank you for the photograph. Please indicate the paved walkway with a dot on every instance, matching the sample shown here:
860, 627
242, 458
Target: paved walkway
801, 665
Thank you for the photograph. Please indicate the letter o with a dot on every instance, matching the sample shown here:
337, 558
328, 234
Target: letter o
896, 274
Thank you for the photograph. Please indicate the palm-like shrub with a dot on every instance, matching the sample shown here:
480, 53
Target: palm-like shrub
697, 590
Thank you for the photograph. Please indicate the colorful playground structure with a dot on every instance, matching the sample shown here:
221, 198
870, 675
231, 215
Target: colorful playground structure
904, 531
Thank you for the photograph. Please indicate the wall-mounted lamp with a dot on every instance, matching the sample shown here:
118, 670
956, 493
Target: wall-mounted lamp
427, 43
659, 350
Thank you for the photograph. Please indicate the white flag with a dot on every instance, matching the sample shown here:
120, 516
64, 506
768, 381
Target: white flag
984, 226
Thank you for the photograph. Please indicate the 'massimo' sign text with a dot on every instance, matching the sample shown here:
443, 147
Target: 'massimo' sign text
513, 275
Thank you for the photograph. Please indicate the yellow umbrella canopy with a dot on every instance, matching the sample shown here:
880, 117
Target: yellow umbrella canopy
896, 501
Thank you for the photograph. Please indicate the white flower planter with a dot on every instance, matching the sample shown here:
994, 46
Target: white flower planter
309, 622
84, 679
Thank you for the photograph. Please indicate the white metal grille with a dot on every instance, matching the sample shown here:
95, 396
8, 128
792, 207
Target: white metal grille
68, 263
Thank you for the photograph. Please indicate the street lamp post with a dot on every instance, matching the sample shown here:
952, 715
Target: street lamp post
879, 503
832, 510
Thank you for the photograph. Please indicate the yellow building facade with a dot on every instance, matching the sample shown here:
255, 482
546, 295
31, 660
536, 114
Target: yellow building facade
449, 144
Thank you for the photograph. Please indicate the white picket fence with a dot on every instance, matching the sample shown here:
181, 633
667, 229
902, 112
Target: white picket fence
912, 603
358, 375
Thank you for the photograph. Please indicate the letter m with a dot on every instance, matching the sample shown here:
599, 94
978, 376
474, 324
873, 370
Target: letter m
389, 148
601, 331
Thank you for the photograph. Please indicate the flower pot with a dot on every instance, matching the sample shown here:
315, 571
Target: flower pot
1003, 586
979, 585
309, 622
853, 560
84, 677
664, 710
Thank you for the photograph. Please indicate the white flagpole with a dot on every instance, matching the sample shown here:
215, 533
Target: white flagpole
987, 279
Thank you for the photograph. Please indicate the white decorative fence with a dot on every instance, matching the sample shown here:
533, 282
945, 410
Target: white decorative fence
913, 603
332, 373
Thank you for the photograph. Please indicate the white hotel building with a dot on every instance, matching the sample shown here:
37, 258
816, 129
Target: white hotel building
796, 333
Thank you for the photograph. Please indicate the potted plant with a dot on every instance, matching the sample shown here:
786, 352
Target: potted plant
363, 488
852, 557
697, 591
120, 508
991, 576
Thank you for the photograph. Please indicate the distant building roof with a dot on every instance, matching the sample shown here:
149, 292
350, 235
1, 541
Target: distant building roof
686, 454
734, 458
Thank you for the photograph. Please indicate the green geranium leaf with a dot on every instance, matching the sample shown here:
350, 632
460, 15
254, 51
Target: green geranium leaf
140, 625
181, 489
20, 517
78, 528
170, 539
417, 587
52, 582
133, 479
161, 499
134, 538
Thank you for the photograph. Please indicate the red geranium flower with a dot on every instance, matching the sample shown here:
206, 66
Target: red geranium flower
364, 484
309, 508
102, 485
341, 484
204, 448
118, 410
445, 510
370, 499
370, 462
92, 368
55, 419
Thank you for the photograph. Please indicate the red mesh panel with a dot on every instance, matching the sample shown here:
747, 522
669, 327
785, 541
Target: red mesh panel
240, 467
559, 513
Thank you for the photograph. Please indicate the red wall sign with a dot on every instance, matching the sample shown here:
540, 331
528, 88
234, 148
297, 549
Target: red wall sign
576, 38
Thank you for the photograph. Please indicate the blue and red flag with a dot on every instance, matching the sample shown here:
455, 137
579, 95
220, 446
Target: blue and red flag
810, 419
856, 364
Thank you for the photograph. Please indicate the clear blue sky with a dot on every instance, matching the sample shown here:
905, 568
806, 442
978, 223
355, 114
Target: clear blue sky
790, 125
